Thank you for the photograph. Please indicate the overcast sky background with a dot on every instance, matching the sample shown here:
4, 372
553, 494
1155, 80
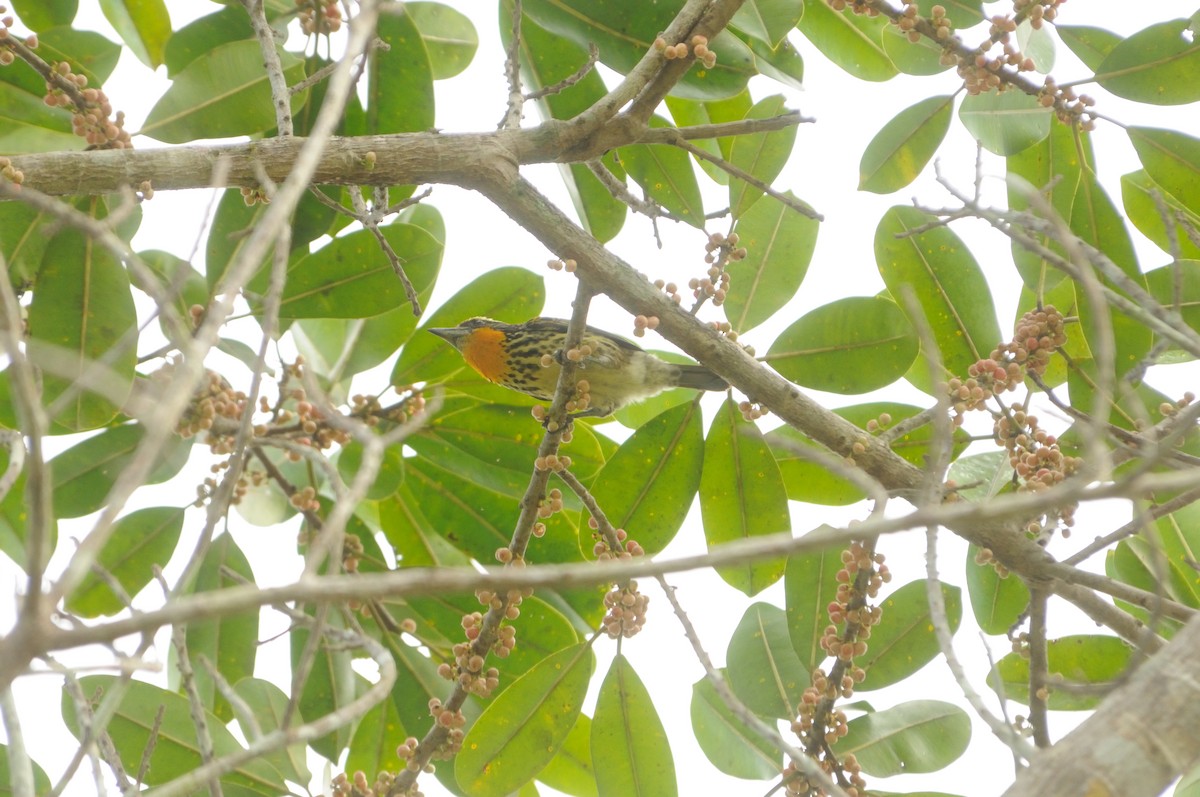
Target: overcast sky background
823, 171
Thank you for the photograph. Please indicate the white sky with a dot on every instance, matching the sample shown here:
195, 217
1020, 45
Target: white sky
824, 171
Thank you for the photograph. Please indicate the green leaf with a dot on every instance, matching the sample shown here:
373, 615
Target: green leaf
665, 173
762, 155
852, 345
571, 770
82, 315
23, 237
330, 685
1163, 560
809, 585
1090, 45
1172, 160
41, 781
1051, 167
923, 57
648, 484
1162, 284
624, 33
731, 746
904, 641
961, 13
918, 736
511, 294
38, 15
229, 643
391, 469
853, 42
779, 245
220, 94
998, 603
376, 737
143, 25
140, 542
764, 671
196, 38
1005, 122
1157, 65
1086, 660
268, 707
768, 20
89, 53
1037, 45
174, 751
450, 38
352, 277
946, 281
741, 496
630, 750
522, 729
231, 228
901, 149
547, 60
84, 473
1137, 196
484, 437
782, 64
1096, 220
399, 80
27, 125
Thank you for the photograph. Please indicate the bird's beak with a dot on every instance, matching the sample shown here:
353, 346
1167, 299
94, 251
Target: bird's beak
449, 334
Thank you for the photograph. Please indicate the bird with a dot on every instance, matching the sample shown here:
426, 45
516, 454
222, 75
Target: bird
527, 358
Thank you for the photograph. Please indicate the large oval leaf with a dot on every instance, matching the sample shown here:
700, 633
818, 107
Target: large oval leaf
918, 736
946, 282
230, 643
1156, 65
998, 603
762, 155
901, 149
523, 728
904, 640
1172, 160
742, 496
665, 173
400, 79
220, 94
143, 25
779, 246
1138, 197
353, 278
851, 345
630, 751
624, 33
731, 746
82, 315
647, 486
84, 473
1052, 167
449, 36
809, 584
1081, 659
852, 41
1005, 122
547, 60
141, 541
149, 714
764, 671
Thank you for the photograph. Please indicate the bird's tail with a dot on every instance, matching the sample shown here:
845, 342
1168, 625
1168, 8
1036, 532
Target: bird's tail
698, 377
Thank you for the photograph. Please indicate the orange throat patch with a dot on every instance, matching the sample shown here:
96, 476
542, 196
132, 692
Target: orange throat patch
484, 351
